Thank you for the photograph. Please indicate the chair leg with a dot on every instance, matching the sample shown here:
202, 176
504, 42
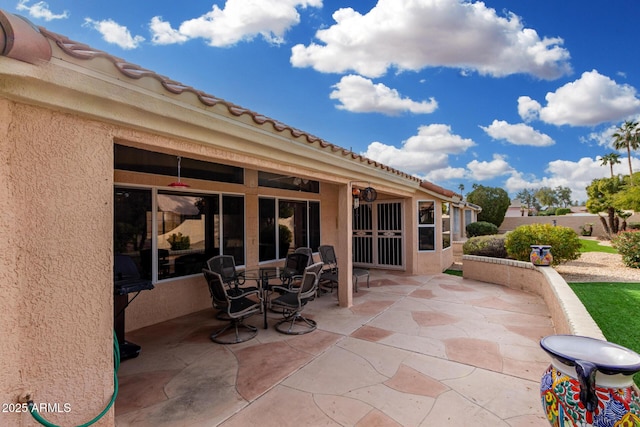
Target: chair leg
308, 325
238, 337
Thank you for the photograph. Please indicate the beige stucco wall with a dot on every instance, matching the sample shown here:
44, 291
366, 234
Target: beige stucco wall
56, 269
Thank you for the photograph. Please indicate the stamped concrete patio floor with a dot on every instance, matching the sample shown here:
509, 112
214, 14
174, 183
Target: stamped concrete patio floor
433, 350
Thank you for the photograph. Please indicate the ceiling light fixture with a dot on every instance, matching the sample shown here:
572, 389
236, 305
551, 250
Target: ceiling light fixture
178, 184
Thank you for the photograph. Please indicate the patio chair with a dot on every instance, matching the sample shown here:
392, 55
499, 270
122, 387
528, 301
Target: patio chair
306, 251
236, 307
329, 274
294, 265
294, 299
225, 266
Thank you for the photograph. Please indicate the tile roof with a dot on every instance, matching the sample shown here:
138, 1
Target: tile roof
13, 27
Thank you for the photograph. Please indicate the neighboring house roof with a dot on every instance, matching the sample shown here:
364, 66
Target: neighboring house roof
25, 42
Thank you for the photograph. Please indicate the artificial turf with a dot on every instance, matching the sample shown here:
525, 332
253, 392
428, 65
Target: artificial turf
615, 307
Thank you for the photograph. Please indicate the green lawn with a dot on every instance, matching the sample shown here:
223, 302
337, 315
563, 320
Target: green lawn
614, 307
454, 272
595, 246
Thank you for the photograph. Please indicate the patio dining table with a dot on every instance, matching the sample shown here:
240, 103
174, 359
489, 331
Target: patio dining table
262, 276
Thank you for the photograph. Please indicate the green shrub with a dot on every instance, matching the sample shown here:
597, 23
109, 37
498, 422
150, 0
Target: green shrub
628, 245
633, 226
179, 242
563, 211
491, 246
481, 228
564, 242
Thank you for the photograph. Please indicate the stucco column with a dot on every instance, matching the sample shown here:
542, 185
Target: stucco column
344, 246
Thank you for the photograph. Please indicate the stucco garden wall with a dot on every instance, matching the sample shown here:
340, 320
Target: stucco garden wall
567, 312
56, 269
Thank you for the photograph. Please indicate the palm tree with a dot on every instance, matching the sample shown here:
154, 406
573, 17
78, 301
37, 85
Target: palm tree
610, 159
627, 136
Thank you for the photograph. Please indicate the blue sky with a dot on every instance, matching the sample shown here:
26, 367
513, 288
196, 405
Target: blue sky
513, 94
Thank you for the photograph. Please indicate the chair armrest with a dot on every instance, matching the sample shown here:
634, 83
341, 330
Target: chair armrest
282, 288
244, 294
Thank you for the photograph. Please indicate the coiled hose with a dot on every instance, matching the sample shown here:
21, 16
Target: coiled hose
116, 365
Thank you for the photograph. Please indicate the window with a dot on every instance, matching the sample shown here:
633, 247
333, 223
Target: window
137, 160
274, 180
193, 228
426, 225
468, 218
456, 221
297, 223
132, 226
446, 225
190, 228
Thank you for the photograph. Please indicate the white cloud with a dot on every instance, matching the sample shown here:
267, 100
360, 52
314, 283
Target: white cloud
112, 32
40, 10
602, 138
239, 20
518, 134
421, 153
488, 170
361, 95
162, 33
446, 174
414, 34
588, 101
576, 175
528, 108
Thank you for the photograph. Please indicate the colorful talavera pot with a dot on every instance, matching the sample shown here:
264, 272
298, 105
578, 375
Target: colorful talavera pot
589, 383
541, 255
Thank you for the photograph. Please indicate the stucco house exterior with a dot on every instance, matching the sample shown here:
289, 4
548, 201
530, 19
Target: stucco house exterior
90, 151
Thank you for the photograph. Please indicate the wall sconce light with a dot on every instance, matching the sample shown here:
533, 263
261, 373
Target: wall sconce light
355, 192
178, 184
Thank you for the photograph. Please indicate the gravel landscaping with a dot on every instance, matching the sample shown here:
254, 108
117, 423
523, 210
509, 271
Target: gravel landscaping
598, 267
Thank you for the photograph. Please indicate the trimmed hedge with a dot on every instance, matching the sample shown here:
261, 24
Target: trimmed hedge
490, 246
564, 242
481, 228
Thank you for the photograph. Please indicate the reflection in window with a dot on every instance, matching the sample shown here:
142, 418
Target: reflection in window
274, 180
132, 225
182, 237
137, 160
267, 234
190, 230
426, 225
233, 227
314, 225
298, 225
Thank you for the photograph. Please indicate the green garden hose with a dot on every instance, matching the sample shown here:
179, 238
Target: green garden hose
116, 361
